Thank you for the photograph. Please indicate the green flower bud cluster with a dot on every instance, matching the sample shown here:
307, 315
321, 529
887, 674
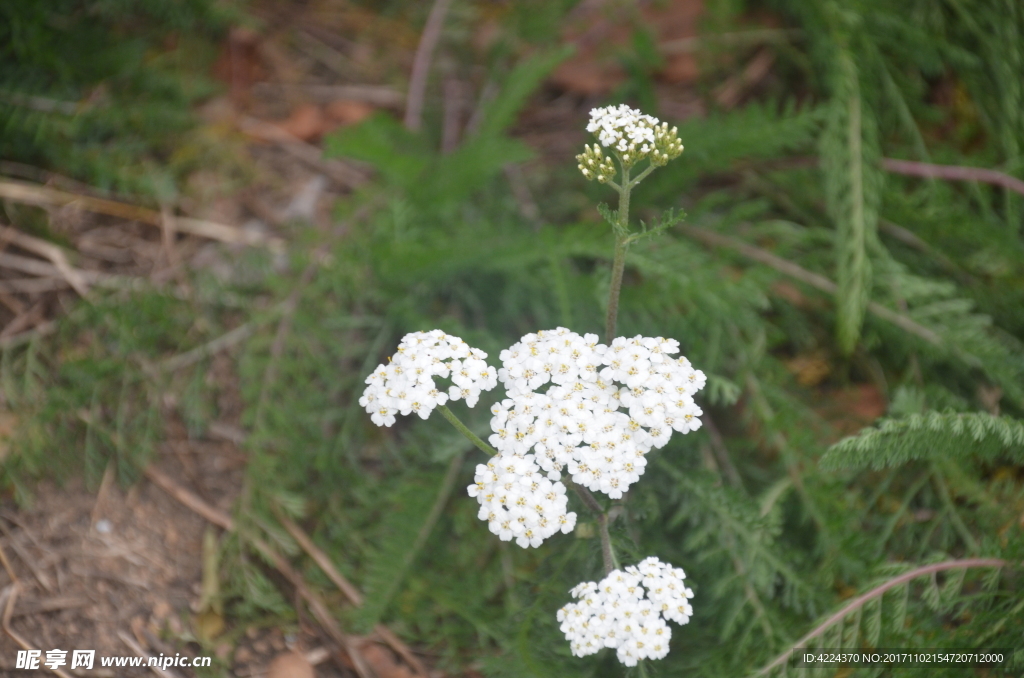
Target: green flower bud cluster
596, 165
667, 145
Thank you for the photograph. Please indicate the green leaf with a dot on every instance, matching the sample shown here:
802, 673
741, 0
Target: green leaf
470, 168
849, 157
382, 141
667, 220
609, 215
516, 89
934, 435
405, 533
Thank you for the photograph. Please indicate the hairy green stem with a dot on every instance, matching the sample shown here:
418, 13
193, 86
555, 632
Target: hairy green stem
619, 262
464, 430
607, 552
643, 175
618, 267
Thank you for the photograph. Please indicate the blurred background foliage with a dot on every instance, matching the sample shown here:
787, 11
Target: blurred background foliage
774, 522
103, 91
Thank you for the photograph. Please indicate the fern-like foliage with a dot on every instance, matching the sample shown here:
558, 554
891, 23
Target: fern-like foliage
849, 154
934, 435
721, 141
877, 618
730, 535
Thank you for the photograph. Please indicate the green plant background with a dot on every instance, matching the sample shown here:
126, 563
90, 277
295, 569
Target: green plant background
804, 524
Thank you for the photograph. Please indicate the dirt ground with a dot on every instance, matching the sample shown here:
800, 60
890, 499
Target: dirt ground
119, 570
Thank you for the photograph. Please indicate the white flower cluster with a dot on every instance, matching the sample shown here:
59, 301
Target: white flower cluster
577, 423
627, 611
406, 384
517, 501
634, 135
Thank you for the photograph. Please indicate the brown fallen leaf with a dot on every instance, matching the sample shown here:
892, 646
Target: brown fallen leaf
207, 625
290, 665
384, 663
789, 292
810, 369
672, 21
305, 122
585, 75
603, 36
347, 112
849, 409
868, 402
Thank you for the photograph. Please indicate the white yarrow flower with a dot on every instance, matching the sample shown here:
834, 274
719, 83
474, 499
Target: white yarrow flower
632, 136
592, 410
406, 384
627, 611
518, 502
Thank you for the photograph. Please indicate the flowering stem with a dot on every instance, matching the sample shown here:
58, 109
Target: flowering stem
643, 175
588, 499
607, 553
464, 430
619, 262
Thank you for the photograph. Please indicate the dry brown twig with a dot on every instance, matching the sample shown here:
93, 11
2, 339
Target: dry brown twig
316, 604
307, 153
13, 303
421, 65
211, 514
51, 277
813, 279
454, 100
954, 173
731, 91
859, 601
54, 604
346, 587
317, 607
169, 247
375, 95
24, 320
930, 170
27, 559
7, 565
139, 651
48, 250
235, 336
30, 194
10, 598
